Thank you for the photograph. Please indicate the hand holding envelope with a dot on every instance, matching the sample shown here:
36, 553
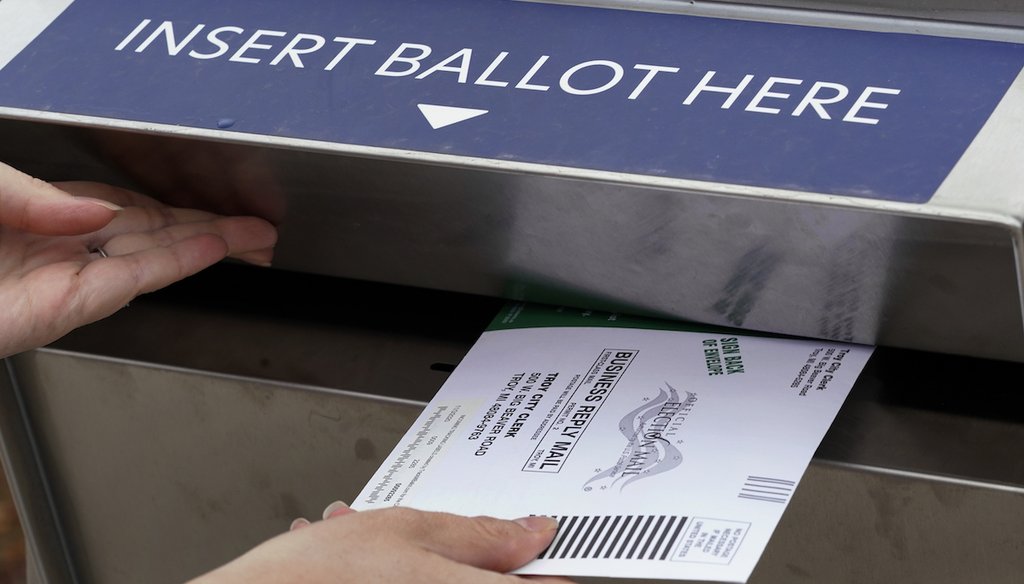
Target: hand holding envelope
395, 545
664, 449
76, 252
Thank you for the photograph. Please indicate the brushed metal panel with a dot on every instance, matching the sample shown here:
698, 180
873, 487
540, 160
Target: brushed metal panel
854, 274
161, 473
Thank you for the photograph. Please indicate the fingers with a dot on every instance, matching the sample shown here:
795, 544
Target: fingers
484, 542
48, 210
142, 213
135, 219
249, 237
102, 191
394, 545
337, 509
494, 544
107, 285
61, 296
260, 257
32, 205
430, 568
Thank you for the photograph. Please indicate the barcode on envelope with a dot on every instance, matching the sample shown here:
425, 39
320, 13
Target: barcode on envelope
767, 489
621, 537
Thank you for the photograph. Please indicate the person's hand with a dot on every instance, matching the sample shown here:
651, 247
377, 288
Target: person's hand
54, 276
395, 545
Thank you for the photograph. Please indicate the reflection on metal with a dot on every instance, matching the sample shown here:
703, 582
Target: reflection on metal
181, 431
934, 16
913, 482
942, 277
937, 285
147, 460
257, 455
47, 557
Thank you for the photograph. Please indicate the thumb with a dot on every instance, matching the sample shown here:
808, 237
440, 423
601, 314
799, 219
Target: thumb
489, 543
32, 205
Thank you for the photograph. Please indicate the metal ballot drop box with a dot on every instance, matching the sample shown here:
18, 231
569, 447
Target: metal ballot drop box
845, 169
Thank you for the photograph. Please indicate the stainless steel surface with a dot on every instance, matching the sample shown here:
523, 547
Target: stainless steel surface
848, 526
160, 474
947, 279
159, 471
988, 12
860, 275
202, 419
47, 557
997, 12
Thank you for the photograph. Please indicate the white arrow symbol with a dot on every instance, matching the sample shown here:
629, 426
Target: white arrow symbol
439, 116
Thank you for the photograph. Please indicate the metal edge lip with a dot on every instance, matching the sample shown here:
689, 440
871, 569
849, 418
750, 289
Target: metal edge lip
1017, 238
231, 377
923, 476
846, 20
45, 536
924, 210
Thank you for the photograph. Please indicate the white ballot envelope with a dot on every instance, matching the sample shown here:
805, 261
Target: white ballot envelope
664, 450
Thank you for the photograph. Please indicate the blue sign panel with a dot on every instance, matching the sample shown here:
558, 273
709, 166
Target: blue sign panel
854, 113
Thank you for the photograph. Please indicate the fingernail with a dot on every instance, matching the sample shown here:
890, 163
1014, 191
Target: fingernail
335, 506
102, 203
537, 523
300, 522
